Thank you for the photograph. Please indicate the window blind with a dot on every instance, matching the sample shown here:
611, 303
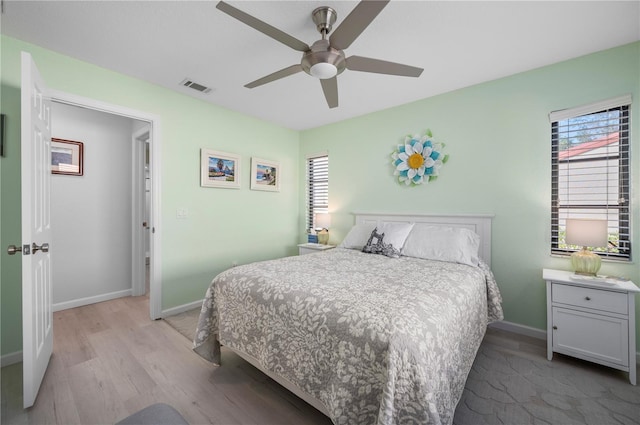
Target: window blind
590, 175
317, 187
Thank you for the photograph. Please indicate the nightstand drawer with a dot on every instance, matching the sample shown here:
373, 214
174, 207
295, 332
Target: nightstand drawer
614, 302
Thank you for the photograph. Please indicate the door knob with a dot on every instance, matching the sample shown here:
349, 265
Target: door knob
44, 247
25, 249
12, 249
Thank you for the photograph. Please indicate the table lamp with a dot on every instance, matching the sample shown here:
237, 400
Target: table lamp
588, 233
323, 221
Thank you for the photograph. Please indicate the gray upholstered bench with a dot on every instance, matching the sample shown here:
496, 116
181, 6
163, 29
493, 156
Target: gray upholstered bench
156, 414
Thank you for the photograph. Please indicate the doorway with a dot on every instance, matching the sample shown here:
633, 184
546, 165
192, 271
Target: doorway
144, 211
35, 177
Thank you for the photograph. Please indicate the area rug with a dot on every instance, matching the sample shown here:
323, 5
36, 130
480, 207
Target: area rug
513, 383
185, 322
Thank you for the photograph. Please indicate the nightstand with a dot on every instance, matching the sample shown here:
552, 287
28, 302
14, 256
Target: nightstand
311, 248
592, 319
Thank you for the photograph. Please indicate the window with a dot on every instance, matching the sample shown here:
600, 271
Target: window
590, 173
317, 186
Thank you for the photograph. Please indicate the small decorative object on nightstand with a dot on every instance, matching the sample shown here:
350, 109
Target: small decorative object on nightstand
310, 248
588, 233
592, 318
323, 222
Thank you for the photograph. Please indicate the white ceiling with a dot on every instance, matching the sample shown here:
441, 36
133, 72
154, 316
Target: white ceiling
457, 43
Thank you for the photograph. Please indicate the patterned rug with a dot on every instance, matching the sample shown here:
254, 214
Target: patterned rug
185, 322
512, 383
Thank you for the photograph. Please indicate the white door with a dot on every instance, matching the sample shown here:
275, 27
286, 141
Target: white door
37, 315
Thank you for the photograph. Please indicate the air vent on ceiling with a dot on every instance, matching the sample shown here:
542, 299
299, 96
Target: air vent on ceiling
187, 82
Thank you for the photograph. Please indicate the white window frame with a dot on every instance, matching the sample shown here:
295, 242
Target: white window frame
620, 209
317, 187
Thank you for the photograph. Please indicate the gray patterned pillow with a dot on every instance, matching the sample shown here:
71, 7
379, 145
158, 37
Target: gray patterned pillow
377, 245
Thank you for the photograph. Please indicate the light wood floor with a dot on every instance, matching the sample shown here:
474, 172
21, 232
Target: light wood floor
110, 360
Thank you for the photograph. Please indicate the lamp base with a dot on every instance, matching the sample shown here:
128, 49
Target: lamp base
585, 262
323, 237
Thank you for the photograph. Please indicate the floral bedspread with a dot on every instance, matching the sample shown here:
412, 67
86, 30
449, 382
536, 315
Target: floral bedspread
377, 340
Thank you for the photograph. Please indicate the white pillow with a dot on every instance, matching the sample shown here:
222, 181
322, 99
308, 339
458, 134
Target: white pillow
452, 244
358, 236
388, 239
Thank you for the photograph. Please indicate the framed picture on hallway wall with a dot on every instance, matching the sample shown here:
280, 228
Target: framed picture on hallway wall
67, 157
265, 175
219, 169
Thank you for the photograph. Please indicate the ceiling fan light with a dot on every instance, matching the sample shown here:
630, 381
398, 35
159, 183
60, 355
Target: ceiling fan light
323, 70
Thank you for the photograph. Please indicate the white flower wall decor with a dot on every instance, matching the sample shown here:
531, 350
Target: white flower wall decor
418, 159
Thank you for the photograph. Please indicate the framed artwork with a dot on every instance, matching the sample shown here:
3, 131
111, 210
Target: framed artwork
265, 175
67, 157
219, 169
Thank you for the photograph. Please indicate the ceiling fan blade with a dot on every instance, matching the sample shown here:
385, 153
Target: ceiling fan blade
356, 22
263, 27
330, 89
359, 63
290, 70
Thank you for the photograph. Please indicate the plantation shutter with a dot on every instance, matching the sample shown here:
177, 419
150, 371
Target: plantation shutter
590, 173
317, 186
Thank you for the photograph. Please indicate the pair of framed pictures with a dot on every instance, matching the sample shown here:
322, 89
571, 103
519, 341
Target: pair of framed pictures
222, 169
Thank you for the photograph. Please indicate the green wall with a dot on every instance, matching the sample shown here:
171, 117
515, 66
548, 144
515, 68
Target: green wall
224, 225
498, 137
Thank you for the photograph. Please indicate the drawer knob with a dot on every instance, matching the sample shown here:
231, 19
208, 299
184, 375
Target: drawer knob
587, 298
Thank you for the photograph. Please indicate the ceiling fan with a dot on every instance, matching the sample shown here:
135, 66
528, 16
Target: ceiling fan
325, 59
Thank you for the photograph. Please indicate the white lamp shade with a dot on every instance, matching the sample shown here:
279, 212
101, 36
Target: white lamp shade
585, 232
323, 220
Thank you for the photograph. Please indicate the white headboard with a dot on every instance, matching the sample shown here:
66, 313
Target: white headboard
480, 224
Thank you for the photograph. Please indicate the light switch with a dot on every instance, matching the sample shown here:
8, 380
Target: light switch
182, 213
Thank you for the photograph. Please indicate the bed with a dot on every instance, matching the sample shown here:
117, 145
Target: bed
363, 338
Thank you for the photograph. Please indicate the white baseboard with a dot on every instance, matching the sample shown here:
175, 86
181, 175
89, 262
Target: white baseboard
529, 331
91, 300
181, 308
11, 358
520, 329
